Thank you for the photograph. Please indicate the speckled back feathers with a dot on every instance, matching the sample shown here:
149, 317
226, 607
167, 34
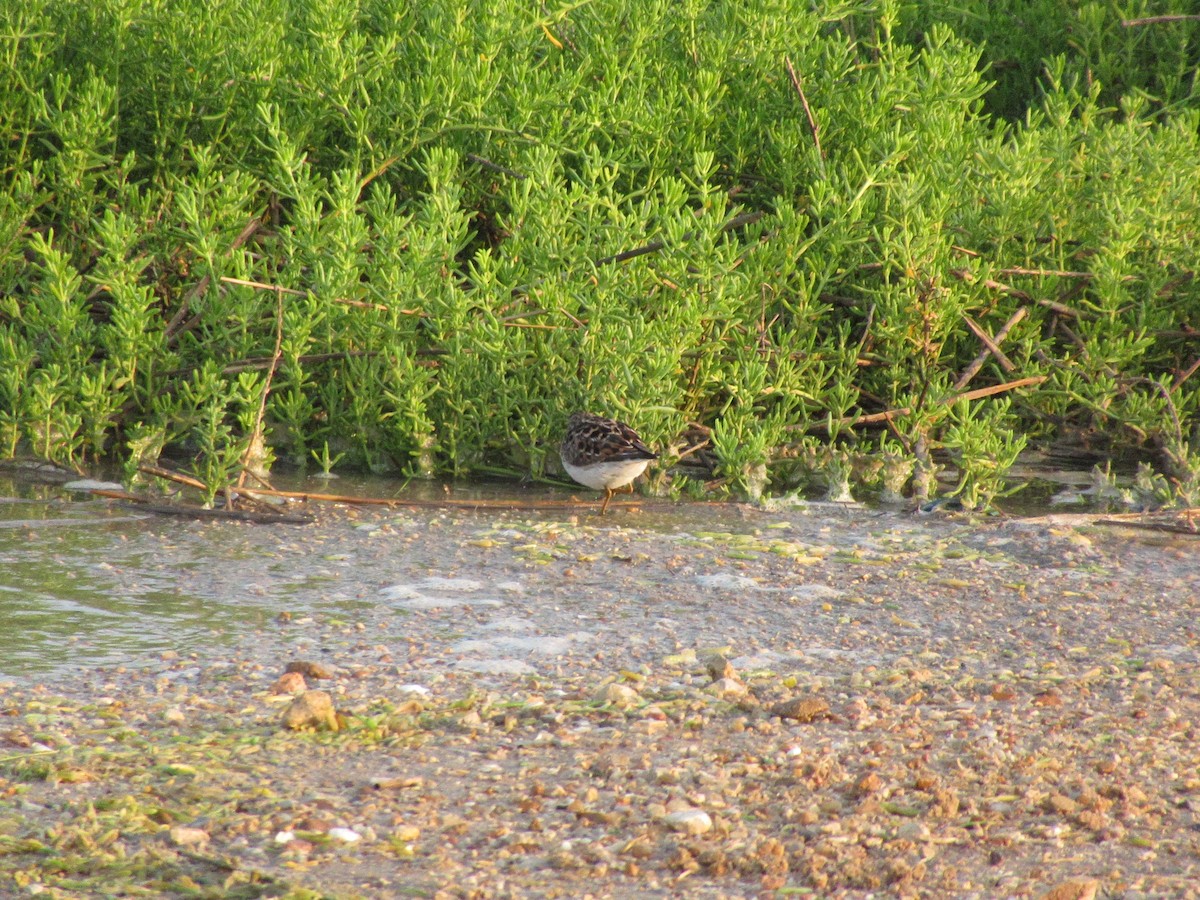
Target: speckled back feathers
592, 440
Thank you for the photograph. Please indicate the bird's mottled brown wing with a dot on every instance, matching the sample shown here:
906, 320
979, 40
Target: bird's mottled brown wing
623, 443
595, 439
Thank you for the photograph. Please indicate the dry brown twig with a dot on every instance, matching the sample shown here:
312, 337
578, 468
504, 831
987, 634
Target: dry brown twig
991, 346
1045, 273
379, 170
655, 246
177, 325
1061, 308
199, 512
188, 481
1157, 20
889, 414
813, 126
1185, 375
256, 444
262, 362
363, 304
442, 503
169, 475
495, 167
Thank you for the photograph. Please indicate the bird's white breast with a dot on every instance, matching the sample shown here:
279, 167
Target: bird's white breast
604, 475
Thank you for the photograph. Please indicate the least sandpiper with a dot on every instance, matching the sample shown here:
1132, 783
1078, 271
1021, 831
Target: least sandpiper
603, 454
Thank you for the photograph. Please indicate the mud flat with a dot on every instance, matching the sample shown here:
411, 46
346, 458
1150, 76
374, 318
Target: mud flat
700, 701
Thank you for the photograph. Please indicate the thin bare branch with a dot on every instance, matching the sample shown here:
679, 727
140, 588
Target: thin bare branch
200, 512
495, 167
177, 325
263, 362
1049, 273
362, 304
991, 347
1061, 308
1185, 375
256, 443
1157, 20
888, 415
441, 503
812, 120
262, 286
578, 323
379, 170
169, 475
655, 246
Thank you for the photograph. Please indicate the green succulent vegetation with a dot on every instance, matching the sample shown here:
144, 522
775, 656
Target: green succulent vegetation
415, 237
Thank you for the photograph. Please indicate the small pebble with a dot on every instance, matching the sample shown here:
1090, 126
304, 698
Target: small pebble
718, 667
309, 669
186, 836
1076, 889
802, 709
619, 695
312, 709
727, 687
689, 821
289, 683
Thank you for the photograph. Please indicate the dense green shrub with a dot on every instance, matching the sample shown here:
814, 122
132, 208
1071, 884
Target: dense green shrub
1111, 44
412, 229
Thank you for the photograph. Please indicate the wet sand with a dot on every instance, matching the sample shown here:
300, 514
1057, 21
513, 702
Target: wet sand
528, 708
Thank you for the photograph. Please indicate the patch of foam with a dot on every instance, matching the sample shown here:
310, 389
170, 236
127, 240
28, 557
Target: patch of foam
814, 592
837, 653
464, 585
763, 659
422, 601
90, 484
413, 596
399, 592
509, 623
497, 666
727, 581
542, 645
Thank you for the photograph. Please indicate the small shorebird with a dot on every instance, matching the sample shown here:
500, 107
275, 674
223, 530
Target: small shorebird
603, 454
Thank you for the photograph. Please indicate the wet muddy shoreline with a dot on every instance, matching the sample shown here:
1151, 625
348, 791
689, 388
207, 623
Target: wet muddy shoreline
547, 674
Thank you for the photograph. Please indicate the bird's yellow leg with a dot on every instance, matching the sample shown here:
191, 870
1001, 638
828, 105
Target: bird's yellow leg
607, 496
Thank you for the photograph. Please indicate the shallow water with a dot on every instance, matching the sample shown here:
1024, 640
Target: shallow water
92, 582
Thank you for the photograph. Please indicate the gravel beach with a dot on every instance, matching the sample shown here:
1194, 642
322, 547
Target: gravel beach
670, 701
